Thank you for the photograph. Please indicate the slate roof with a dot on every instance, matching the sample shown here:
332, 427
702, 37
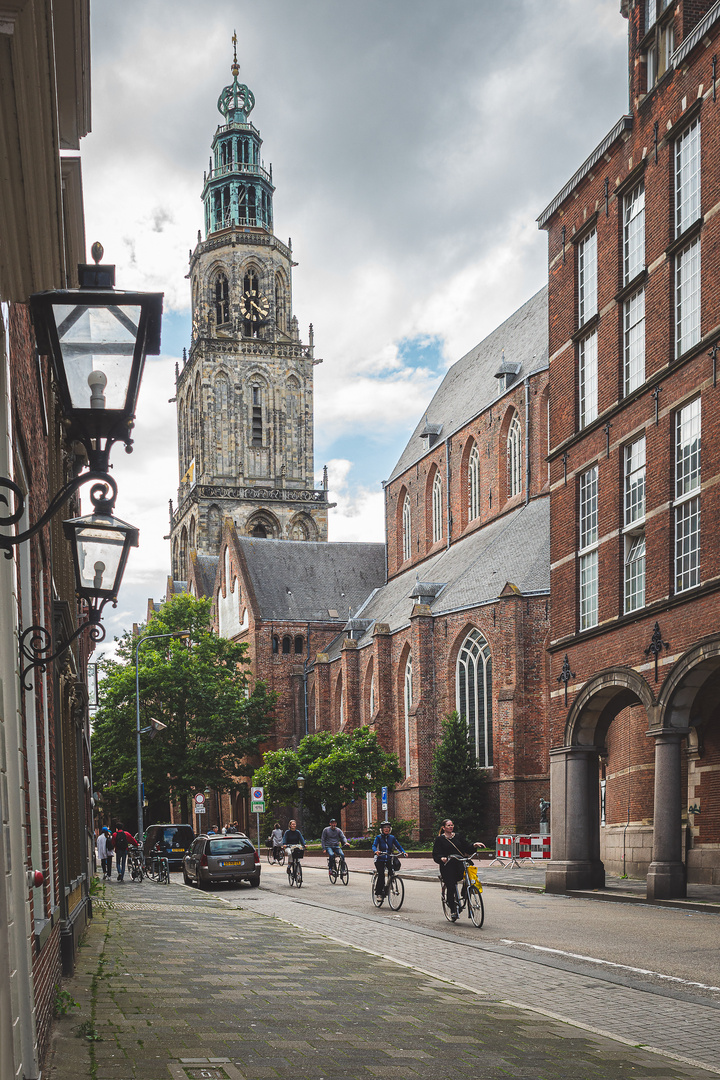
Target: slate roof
470, 384
514, 548
304, 581
205, 567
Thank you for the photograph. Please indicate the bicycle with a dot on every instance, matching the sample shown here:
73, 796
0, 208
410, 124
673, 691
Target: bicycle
275, 854
136, 865
335, 871
164, 872
394, 887
158, 869
469, 897
294, 866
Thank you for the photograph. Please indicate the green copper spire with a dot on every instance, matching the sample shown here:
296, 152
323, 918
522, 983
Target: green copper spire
236, 102
237, 189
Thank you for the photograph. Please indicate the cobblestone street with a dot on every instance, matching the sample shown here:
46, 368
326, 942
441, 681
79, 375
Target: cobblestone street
177, 983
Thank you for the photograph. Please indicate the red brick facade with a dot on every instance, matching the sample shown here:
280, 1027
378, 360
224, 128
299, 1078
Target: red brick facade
603, 639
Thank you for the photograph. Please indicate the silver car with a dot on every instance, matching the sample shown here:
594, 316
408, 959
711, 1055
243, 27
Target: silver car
221, 858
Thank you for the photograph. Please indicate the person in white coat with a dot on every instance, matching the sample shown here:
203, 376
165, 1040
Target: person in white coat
105, 852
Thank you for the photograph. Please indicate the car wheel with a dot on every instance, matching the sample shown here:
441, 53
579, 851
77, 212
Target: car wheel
187, 880
255, 882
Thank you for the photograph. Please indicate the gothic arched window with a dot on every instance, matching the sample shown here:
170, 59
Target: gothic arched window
191, 539
473, 694
407, 702
514, 457
257, 420
275, 643
437, 509
222, 300
406, 529
286, 645
474, 483
280, 319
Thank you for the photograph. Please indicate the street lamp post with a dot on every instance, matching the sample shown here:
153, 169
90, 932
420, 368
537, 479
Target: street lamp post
300, 781
138, 729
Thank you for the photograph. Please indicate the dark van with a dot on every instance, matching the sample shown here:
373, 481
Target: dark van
170, 841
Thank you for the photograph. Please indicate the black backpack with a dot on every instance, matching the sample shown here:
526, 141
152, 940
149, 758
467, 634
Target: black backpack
121, 844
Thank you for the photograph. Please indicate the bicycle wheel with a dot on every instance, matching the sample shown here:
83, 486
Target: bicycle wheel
396, 892
377, 900
298, 874
290, 874
445, 904
476, 909
270, 855
333, 873
281, 857
344, 873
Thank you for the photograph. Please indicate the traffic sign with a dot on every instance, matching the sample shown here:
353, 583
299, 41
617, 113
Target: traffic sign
200, 809
199, 799
257, 807
258, 794
384, 798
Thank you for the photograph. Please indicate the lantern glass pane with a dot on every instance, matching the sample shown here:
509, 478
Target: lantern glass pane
99, 549
98, 344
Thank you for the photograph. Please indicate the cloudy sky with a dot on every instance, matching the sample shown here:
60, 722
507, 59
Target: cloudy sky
413, 144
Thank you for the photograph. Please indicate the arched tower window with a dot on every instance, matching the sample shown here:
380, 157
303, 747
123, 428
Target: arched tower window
514, 457
372, 696
407, 702
275, 643
437, 509
473, 693
298, 644
286, 645
222, 300
280, 313
251, 292
257, 417
474, 483
406, 529
191, 539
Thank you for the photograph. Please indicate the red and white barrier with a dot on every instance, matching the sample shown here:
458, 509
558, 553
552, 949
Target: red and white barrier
540, 847
505, 847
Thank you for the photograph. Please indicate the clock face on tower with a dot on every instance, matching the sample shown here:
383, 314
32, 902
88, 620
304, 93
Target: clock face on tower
254, 306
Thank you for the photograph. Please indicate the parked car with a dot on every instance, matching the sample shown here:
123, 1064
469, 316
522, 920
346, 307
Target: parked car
221, 858
171, 841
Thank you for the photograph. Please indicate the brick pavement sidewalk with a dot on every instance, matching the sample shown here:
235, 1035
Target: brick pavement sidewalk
174, 985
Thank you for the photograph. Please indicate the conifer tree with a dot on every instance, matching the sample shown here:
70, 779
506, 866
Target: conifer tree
457, 781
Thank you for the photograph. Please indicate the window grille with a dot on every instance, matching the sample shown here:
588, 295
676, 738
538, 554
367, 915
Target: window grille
687, 297
588, 379
587, 278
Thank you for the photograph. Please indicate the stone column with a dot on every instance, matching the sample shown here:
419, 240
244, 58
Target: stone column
575, 820
666, 878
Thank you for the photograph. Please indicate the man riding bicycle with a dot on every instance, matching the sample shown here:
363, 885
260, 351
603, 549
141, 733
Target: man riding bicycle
332, 841
448, 845
384, 845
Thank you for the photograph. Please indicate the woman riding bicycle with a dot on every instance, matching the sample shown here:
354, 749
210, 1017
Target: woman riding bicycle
447, 844
276, 840
294, 841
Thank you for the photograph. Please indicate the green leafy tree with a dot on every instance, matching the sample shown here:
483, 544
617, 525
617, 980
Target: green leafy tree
337, 769
457, 781
200, 689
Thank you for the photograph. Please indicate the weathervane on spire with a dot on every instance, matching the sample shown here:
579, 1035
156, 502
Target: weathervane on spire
236, 102
235, 66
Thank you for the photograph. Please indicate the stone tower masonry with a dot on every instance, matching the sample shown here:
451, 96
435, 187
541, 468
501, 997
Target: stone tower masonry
245, 392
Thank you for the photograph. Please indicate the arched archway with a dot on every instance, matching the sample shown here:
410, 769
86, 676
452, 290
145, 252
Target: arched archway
263, 525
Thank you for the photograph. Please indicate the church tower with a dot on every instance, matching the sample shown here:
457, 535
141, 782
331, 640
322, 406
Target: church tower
245, 392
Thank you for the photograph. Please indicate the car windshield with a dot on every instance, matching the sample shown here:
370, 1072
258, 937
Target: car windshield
175, 838
230, 845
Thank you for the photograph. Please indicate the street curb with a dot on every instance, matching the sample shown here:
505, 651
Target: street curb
632, 898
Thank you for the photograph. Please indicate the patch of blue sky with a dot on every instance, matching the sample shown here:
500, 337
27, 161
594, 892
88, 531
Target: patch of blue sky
371, 463
424, 352
176, 333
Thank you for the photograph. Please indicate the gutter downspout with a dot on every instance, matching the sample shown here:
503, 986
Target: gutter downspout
448, 515
305, 679
527, 439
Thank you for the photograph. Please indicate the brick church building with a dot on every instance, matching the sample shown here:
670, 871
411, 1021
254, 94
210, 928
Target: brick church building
453, 612
633, 241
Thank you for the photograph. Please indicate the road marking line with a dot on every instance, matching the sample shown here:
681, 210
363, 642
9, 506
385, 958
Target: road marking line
609, 963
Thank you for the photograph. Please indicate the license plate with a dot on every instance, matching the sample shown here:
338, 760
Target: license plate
237, 862
178, 850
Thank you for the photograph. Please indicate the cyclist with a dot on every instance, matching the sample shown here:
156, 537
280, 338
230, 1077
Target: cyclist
291, 837
384, 845
449, 843
276, 839
332, 841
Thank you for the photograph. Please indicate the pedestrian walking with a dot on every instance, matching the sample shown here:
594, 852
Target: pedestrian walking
121, 842
105, 850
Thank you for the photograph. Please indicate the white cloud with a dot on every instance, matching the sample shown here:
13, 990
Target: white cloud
360, 512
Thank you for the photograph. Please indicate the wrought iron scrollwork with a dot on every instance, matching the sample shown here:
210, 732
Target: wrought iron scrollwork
36, 643
103, 484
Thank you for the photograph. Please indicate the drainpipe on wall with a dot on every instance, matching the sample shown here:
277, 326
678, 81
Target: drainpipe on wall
448, 443
305, 679
527, 439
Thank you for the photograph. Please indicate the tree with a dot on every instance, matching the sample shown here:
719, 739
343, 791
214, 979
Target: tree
199, 687
337, 769
457, 781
